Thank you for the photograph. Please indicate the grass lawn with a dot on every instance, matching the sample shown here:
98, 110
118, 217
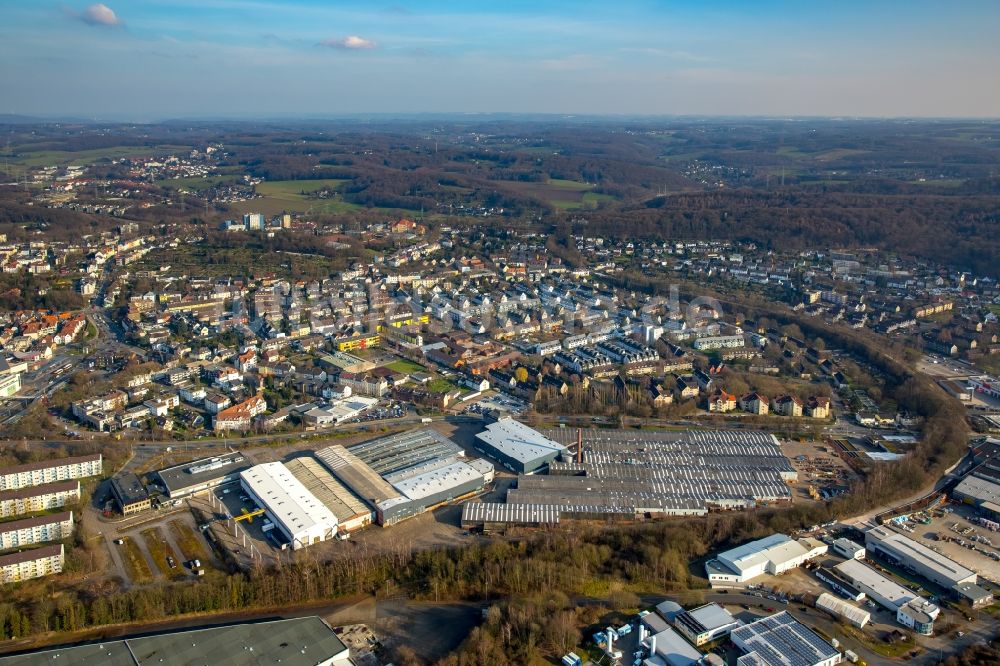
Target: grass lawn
135, 563
441, 385
405, 366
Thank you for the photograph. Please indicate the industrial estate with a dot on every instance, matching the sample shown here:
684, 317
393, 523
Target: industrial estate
495, 389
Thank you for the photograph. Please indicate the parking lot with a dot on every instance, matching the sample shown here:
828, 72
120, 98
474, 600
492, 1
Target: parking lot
497, 401
956, 533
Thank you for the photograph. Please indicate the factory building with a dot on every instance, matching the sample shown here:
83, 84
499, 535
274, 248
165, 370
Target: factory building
840, 608
351, 513
518, 448
28, 531
706, 623
972, 594
839, 584
773, 555
389, 504
847, 548
50, 471
639, 475
780, 640
38, 498
978, 489
405, 474
131, 496
300, 517
204, 474
395, 453
303, 641
911, 610
34, 563
917, 558
436, 483
668, 648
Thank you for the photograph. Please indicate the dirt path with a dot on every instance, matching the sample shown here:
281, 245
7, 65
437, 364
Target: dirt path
116, 559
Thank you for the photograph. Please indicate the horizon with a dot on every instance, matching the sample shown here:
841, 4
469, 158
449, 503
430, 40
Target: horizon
255, 60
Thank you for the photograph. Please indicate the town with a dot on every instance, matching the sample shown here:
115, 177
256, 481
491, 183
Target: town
461, 415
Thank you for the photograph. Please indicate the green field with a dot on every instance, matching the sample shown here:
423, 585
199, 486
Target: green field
441, 385
407, 367
43, 158
561, 184
563, 194
292, 196
589, 200
298, 189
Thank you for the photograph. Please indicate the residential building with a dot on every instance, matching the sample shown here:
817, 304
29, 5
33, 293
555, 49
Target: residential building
50, 471
39, 529
38, 498
33, 563
240, 416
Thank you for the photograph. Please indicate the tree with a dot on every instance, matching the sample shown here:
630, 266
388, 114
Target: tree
521, 374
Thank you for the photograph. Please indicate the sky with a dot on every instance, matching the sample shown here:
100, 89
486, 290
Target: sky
153, 60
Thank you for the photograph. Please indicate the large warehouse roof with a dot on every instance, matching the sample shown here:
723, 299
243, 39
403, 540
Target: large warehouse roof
391, 454
518, 441
358, 476
304, 641
864, 576
327, 489
774, 548
438, 480
513, 514
911, 552
781, 640
980, 489
286, 499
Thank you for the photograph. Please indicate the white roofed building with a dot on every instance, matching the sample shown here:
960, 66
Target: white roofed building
518, 447
773, 555
300, 516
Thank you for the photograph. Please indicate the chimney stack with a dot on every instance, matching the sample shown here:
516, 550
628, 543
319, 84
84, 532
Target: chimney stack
579, 445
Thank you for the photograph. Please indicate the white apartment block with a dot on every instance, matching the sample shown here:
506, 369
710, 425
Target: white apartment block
28, 531
33, 563
50, 471
38, 498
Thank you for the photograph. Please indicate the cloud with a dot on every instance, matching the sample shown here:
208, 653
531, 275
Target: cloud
349, 43
100, 14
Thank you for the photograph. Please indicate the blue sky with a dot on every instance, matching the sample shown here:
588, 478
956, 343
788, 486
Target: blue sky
264, 58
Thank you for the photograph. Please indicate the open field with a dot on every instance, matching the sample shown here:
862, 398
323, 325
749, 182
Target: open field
564, 194
402, 365
588, 200
294, 196
135, 563
83, 157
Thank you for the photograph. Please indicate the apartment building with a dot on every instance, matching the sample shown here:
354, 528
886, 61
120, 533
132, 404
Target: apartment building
33, 563
20, 533
38, 498
50, 471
